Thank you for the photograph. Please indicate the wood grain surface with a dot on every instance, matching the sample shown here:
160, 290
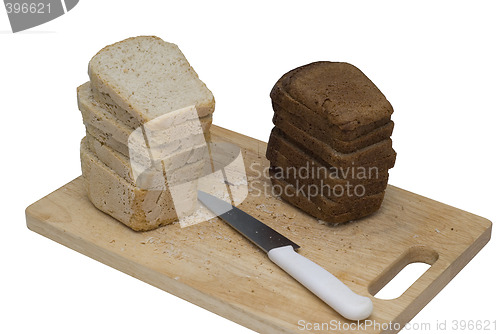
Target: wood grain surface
211, 265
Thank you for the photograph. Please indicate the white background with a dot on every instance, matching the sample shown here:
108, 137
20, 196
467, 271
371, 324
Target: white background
437, 63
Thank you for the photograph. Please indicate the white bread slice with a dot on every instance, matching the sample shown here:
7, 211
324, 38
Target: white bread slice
148, 78
181, 168
137, 208
95, 114
179, 140
107, 140
167, 155
119, 113
164, 122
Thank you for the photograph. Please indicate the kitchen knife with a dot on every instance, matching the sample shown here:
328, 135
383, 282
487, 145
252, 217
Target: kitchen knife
282, 252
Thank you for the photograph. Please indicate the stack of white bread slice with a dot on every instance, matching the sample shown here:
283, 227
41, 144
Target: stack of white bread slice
147, 117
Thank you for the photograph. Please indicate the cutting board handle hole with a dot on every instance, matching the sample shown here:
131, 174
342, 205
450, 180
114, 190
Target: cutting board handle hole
403, 272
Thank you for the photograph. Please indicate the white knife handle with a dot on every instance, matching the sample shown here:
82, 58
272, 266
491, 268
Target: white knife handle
323, 284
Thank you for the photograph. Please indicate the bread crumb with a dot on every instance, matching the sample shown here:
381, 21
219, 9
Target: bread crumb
322, 222
240, 182
149, 240
200, 215
263, 208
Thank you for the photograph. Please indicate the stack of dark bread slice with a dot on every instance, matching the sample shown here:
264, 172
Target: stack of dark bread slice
147, 117
330, 150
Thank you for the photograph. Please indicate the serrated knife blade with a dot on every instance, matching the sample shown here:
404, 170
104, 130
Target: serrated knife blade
253, 229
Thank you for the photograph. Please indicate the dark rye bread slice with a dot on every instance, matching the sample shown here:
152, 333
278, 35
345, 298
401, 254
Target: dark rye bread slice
339, 92
323, 202
323, 209
313, 121
299, 158
281, 142
346, 110
317, 179
318, 148
288, 122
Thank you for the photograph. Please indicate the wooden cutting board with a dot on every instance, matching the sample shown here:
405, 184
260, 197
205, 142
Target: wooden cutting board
191, 262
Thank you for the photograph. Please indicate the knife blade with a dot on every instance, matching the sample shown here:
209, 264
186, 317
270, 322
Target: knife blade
282, 252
